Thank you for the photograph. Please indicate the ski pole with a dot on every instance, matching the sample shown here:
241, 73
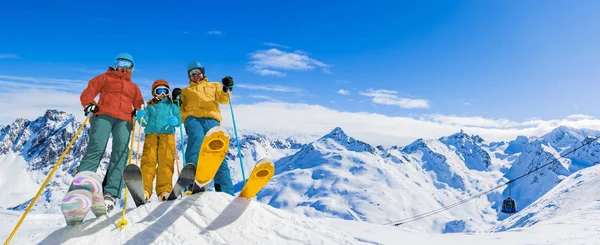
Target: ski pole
181, 135
123, 222
236, 137
182, 141
37, 195
137, 151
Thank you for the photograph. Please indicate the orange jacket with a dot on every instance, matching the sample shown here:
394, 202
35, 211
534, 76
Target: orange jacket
118, 95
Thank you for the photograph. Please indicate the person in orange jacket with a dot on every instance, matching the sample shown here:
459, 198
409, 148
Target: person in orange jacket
119, 100
160, 118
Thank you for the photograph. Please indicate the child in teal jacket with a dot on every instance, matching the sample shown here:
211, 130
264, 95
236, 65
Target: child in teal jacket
160, 119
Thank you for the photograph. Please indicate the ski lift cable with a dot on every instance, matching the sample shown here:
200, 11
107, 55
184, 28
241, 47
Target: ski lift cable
443, 208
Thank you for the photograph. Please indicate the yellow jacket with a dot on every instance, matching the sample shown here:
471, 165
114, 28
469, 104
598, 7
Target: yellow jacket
201, 99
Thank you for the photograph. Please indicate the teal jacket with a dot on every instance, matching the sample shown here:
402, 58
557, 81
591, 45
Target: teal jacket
157, 115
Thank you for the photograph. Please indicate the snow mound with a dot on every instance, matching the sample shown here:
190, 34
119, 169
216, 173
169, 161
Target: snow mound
206, 218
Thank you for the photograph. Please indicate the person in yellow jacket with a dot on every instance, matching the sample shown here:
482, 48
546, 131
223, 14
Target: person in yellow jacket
200, 112
160, 118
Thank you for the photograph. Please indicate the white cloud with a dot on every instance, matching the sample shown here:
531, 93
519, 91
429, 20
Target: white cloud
9, 56
17, 83
343, 92
215, 33
30, 103
30, 97
42, 80
389, 97
267, 72
270, 88
289, 119
264, 97
275, 45
472, 121
266, 62
577, 117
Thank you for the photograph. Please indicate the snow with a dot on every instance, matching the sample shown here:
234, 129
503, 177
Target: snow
581, 228
332, 189
339, 176
217, 218
560, 200
209, 218
547, 150
12, 172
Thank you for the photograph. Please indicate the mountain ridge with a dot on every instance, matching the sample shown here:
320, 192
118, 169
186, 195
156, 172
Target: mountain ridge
339, 176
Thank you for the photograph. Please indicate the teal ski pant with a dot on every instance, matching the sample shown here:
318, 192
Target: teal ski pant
196, 129
102, 126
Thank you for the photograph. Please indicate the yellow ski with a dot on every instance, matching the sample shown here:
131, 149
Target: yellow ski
212, 153
261, 174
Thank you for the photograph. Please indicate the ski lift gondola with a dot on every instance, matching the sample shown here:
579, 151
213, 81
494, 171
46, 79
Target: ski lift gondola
509, 205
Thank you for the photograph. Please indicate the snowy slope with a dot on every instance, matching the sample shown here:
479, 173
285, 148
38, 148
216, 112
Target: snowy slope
549, 149
469, 149
579, 193
37, 145
255, 147
209, 218
215, 218
339, 176
455, 168
12, 172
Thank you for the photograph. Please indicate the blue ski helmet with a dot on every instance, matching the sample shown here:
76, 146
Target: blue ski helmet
195, 65
125, 56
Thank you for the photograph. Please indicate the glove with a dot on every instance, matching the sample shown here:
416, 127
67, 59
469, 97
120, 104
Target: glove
173, 121
90, 109
227, 84
176, 96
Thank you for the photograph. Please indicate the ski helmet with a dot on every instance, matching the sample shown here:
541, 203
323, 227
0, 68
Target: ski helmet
159, 86
125, 56
195, 64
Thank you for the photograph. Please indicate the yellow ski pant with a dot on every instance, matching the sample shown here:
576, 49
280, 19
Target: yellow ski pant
158, 160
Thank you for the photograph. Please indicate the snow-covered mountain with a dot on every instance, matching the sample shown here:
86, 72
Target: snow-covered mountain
577, 194
547, 150
336, 175
39, 144
339, 176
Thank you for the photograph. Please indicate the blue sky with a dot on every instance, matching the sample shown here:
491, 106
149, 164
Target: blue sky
498, 60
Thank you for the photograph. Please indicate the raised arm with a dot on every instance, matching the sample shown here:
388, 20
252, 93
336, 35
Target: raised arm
224, 90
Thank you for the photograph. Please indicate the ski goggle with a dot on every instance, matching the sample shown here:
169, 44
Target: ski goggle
161, 90
195, 72
124, 64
